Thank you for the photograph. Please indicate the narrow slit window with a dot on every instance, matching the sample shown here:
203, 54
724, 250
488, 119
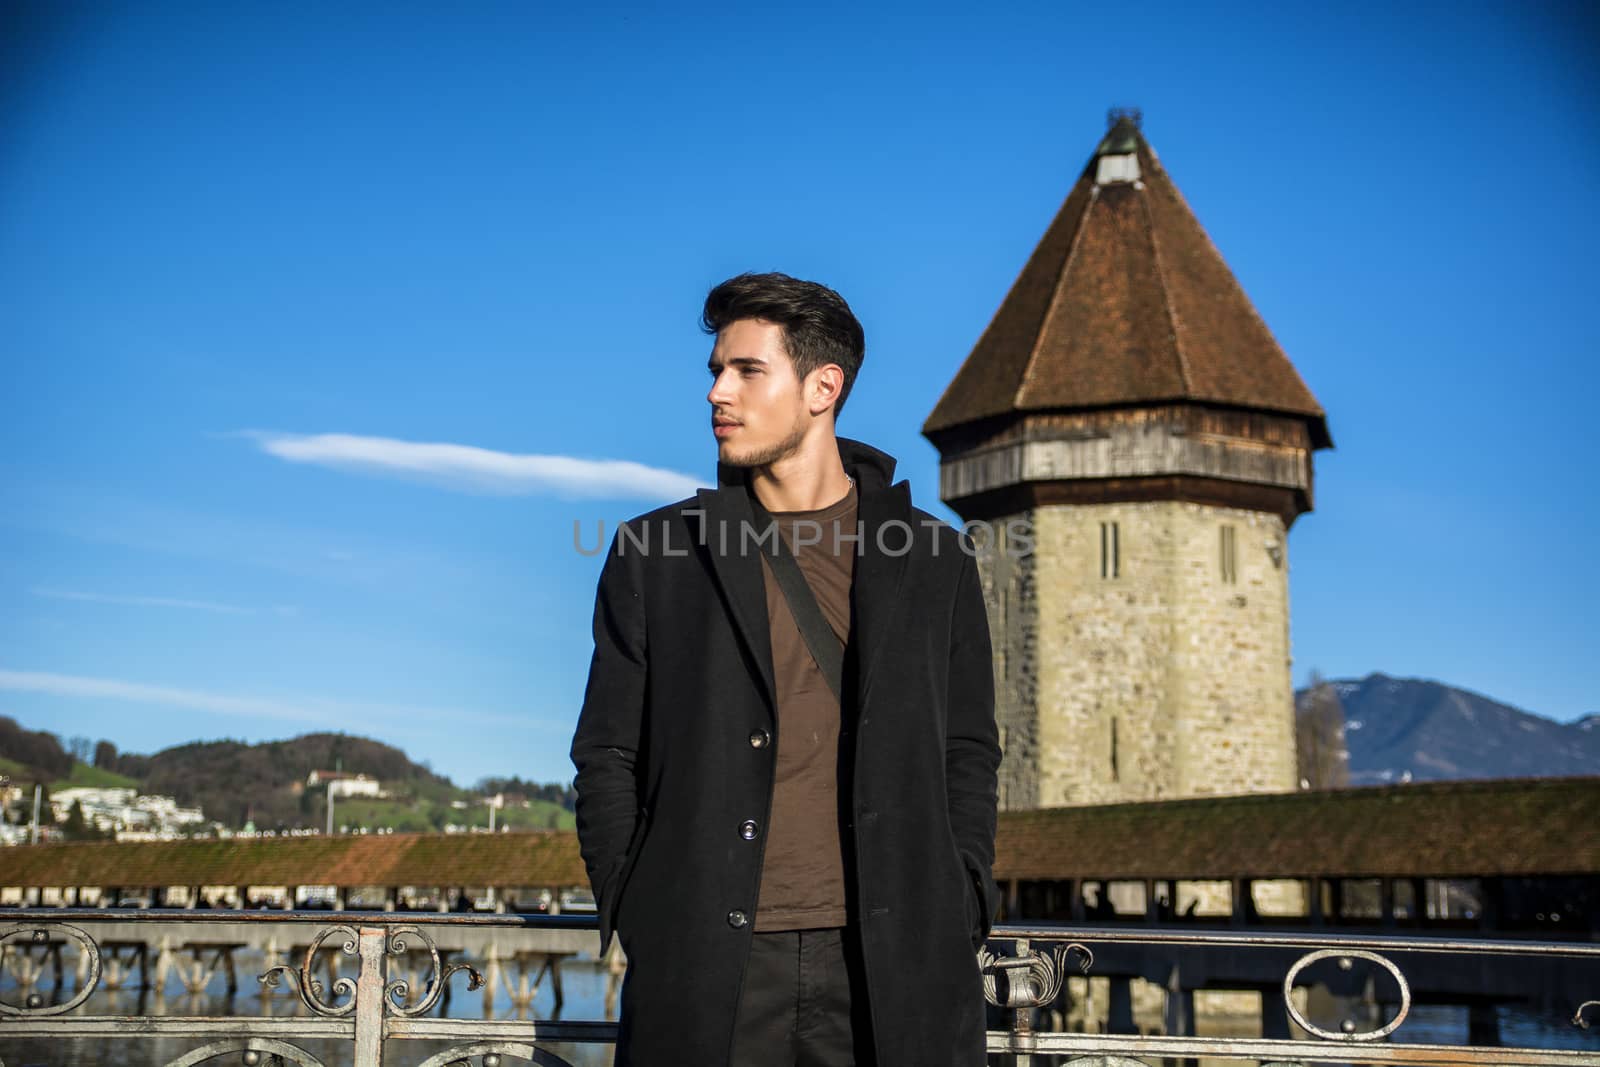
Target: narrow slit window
1110, 550
1114, 774
1230, 570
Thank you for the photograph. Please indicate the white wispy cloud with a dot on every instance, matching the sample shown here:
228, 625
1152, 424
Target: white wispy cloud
469, 469
329, 714
153, 602
71, 685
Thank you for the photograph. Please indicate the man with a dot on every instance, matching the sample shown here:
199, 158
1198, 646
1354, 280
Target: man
797, 877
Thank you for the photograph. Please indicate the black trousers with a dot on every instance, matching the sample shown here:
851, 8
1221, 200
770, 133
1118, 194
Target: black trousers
804, 1002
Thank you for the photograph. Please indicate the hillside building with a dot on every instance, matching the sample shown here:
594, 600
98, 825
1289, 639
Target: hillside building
340, 784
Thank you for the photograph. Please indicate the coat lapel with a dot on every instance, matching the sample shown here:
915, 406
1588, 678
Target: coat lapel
876, 589
880, 567
725, 514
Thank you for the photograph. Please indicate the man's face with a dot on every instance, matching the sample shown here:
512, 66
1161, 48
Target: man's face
758, 409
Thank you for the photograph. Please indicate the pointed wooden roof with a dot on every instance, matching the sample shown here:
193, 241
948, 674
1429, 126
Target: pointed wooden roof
1125, 301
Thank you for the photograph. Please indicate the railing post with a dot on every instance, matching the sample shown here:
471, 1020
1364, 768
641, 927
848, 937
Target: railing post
369, 997
1021, 1022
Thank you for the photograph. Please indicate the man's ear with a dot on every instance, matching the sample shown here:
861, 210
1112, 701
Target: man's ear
823, 386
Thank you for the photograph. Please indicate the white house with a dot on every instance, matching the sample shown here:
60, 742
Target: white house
340, 784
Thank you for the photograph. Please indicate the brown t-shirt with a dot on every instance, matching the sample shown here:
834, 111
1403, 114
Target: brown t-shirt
802, 873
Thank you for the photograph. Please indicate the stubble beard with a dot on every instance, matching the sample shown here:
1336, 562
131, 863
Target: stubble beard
774, 452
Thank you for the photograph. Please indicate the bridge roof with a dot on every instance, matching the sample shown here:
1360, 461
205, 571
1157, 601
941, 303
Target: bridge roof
1510, 827
546, 858
1442, 829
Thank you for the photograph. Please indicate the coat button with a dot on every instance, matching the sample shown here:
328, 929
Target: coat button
759, 738
748, 829
737, 918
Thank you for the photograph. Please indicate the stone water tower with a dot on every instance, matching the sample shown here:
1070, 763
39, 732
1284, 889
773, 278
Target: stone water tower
1129, 413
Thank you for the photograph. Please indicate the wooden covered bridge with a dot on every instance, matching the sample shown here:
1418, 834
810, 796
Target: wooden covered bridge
1514, 855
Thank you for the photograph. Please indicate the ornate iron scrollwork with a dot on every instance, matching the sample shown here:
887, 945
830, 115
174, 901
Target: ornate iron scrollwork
21, 938
308, 987
396, 990
1033, 979
1344, 956
1577, 1017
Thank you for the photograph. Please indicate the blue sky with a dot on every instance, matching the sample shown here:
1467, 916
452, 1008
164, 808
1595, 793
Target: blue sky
254, 256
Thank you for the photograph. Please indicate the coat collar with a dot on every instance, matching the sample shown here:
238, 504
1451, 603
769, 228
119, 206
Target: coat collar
870, 468
874, 591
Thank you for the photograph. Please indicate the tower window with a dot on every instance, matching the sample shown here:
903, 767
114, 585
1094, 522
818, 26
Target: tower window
1110, 551
1114, 748
1230, 570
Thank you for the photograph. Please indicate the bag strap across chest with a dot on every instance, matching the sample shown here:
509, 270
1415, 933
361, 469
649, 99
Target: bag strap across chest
826, 648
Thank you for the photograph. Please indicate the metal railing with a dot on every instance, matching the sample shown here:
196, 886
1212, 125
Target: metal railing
401, 975
1035, 971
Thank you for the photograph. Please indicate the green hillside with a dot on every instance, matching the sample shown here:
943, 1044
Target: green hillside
85, 775
417, 814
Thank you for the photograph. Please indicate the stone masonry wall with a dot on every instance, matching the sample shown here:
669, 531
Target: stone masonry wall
1164, 681
1006, 570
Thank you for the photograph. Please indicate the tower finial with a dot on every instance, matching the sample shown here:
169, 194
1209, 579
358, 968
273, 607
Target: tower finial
1117, 114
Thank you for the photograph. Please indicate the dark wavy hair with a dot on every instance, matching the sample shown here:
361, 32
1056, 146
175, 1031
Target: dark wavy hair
818, 326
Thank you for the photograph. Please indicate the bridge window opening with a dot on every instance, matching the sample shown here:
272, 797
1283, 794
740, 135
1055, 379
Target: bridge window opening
1360, 899
1544, 902
1230, 573
1405, 900
1095, 903
1204, 899
1110, 550
1127, 899
1279, 898
1043, 900
367, 898
1454, 898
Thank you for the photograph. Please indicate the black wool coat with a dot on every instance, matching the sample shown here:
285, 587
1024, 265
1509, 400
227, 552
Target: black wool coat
675, 750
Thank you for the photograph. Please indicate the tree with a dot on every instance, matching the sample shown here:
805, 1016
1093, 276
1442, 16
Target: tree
36, 749
79, 747
77, 826
105, 756
1323, 761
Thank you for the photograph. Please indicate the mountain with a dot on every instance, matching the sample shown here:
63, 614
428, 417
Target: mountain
236, 783
1395, 727
265, 782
